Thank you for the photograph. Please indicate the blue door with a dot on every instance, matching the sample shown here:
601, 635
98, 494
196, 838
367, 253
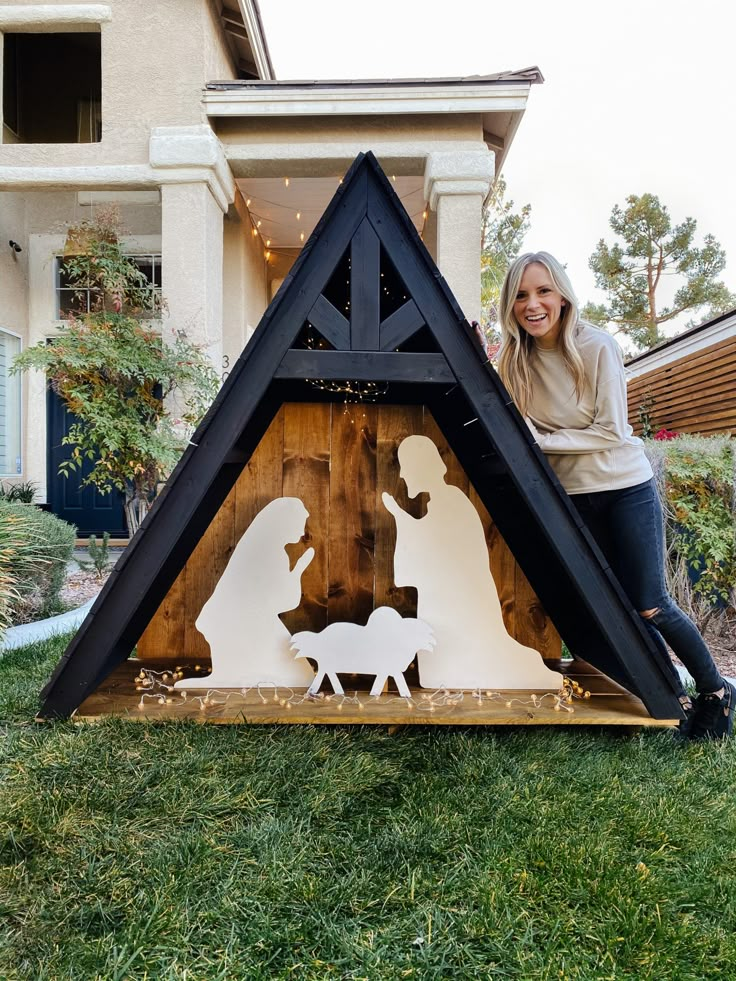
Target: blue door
86, 507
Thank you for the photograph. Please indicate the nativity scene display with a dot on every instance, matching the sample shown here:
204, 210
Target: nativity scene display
356, 527
458, 637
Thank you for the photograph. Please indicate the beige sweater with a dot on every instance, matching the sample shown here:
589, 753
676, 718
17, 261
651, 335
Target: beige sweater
589, 443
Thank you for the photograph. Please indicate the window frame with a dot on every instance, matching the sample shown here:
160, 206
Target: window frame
152, 258
13, 53
18, 472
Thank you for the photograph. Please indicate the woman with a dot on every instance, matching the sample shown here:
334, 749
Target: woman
567, 379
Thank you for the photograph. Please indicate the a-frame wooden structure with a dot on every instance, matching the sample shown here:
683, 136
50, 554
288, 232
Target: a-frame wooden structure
425, 350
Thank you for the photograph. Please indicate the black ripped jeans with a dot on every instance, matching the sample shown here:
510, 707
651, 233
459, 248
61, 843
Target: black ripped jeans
628, 526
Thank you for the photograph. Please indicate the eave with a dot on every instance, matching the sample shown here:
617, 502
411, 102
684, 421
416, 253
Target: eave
362, 98
499, 100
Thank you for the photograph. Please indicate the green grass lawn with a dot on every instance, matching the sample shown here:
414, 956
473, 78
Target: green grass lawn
180, 851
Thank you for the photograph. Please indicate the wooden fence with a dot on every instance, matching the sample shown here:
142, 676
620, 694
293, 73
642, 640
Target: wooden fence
695, 394
337, 459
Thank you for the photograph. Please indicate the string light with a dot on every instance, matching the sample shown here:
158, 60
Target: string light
155, 688
353, 390
247, 203
298, 215
286, 181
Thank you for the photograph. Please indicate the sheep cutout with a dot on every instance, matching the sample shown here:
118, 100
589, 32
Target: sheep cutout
385, 646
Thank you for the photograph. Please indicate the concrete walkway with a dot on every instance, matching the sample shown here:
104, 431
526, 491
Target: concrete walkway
29, 633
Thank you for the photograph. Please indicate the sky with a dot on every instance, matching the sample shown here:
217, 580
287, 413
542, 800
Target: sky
639, 96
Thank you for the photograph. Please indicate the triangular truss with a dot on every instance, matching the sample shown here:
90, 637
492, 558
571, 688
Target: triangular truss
365, 303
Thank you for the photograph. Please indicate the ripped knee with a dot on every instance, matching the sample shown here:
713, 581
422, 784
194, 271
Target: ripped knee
649, 614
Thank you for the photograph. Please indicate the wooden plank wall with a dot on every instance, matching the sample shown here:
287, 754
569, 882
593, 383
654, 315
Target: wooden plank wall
337, 459
695, 394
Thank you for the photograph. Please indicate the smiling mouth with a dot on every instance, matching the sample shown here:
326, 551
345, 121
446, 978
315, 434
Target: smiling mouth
537, 319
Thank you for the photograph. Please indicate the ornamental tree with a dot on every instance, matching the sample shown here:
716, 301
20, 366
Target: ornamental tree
502, 236
114, 370
650, 250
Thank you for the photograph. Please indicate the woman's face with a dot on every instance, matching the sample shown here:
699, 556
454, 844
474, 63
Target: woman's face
538, 305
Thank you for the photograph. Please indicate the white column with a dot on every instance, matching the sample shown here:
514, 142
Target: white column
191, 264
196, 189
456, 185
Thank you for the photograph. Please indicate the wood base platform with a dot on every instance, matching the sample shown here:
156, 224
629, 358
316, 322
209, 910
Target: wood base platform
123, 694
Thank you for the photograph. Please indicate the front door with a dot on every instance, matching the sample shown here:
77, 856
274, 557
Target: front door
86, 507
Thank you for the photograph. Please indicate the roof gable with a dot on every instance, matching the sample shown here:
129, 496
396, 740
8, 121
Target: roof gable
425, 350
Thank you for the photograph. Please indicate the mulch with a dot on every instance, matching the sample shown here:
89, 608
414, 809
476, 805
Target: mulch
81, 586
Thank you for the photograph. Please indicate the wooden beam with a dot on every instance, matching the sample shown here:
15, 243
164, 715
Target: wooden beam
232, 17
400, 326
236, 31
493, 141
365, 366
365, 289
331, 324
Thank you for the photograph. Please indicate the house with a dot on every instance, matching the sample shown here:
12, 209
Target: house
686, 384
221, 171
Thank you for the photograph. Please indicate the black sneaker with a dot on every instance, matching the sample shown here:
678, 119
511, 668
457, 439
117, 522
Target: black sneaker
713, 715
682, 732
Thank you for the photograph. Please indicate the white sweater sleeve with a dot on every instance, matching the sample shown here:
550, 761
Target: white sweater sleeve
609, 426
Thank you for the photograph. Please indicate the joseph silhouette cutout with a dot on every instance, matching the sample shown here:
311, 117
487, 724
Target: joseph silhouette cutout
445, 556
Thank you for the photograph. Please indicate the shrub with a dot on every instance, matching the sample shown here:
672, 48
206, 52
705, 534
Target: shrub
34, 550
120, 376
696, 479
19, 493
99, 555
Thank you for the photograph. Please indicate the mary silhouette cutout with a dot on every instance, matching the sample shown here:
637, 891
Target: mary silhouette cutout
445, 556
248, 642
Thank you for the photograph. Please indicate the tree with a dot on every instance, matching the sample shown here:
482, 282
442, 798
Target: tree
632, 271
503, 233
115, 372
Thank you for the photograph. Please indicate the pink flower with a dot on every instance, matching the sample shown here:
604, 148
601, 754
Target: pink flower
666, 434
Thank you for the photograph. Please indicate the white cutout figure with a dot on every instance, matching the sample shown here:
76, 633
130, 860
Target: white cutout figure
385, 646
445, 555
248, 642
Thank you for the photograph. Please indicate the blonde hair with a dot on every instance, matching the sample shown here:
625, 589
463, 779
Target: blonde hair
518, 347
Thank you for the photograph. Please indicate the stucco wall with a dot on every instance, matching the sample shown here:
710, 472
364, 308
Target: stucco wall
418, 127
245, 281
13, 265
218, 60
156, 58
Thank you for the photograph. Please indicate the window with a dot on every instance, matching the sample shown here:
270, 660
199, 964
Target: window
52, 88
10, 461
81, 299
